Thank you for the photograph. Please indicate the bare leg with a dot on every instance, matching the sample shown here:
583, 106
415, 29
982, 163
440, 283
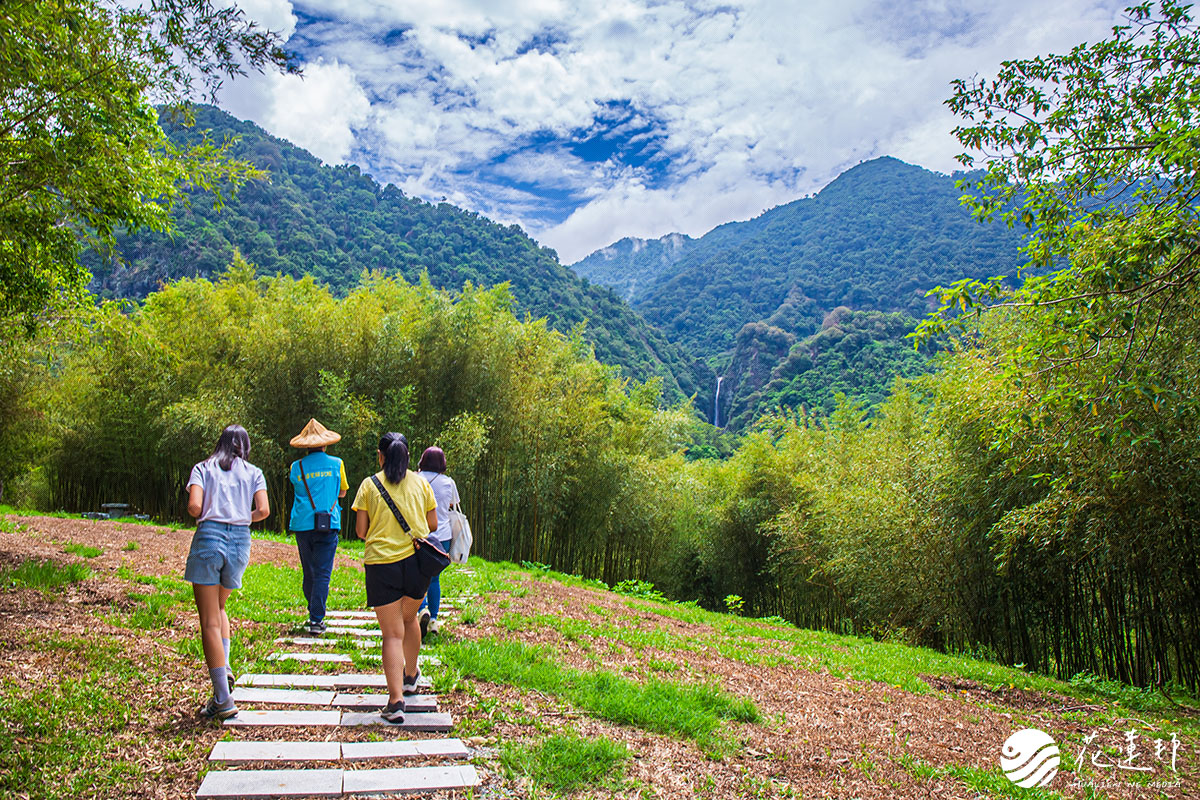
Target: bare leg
391, 626
214, 623
412, 633
401, 642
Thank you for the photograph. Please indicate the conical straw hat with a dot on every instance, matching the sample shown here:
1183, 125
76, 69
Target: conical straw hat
315, 435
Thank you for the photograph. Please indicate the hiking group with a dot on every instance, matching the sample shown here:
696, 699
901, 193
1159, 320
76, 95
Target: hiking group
406, 519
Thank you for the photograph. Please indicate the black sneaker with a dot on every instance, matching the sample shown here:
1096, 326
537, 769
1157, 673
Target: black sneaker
230, 678
315, 628
210, 710
393, 712
410, 684
424, 620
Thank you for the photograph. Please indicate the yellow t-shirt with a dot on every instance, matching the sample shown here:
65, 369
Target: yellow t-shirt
386, 540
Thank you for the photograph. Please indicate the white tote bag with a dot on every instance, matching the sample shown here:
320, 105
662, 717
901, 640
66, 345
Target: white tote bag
460, 537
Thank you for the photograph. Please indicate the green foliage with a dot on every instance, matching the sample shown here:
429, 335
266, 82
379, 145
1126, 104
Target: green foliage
43, 574
543, 441
1096, 152
80, 145
333, 223
566, 763
637, 588
856, 353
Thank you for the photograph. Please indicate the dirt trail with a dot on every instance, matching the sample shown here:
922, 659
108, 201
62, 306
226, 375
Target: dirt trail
821, 736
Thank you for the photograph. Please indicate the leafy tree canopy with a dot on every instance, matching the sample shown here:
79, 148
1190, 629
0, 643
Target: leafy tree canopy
1096, 152
80, 145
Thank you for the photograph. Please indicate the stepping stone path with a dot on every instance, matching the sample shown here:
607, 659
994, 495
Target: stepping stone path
332, 701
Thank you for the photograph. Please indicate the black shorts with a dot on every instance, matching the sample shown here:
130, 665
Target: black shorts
387, 583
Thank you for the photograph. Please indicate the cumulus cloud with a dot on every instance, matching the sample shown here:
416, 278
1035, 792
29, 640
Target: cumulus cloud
590, 120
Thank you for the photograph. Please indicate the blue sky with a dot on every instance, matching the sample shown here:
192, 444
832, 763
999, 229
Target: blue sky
588, 121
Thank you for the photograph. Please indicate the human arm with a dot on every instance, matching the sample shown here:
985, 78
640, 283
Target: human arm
195, 504
262, 507
344, 483
362, 521
431, 518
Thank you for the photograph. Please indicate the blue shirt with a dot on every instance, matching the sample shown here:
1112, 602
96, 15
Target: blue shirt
326, 477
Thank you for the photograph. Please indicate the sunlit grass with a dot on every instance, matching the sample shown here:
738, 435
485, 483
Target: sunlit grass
691, 712
37, 573
566, 763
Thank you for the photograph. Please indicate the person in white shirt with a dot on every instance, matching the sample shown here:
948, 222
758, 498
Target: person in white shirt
432, 467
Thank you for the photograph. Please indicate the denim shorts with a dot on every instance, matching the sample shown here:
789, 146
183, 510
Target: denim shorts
219, 554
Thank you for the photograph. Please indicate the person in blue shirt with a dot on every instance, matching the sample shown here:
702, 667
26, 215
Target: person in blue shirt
318, 484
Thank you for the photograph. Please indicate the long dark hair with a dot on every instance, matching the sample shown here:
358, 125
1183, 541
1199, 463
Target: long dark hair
234, 443
395, 456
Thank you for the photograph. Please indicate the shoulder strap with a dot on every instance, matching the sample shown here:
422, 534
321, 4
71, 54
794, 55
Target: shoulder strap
300, 466
387, 498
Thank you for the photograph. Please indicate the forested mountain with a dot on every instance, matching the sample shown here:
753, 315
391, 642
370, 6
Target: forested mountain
876, 238
632, 264
335, 222
856, 353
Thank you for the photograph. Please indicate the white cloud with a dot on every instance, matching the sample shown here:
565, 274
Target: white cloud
319, 111
274, 15
752, 103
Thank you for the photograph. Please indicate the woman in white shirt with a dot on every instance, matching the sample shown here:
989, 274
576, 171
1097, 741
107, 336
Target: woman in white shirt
432, 467
226, 493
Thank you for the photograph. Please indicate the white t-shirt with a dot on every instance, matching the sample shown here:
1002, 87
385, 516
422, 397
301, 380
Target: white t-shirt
446, 493
228, 494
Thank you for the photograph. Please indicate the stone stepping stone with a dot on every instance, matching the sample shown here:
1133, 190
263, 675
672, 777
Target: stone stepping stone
408, 779
350, 622
293, 697
333, 658
272, 783
271, 718
247, 752
415, 748
414, 721
422, 661
342, 681
333, 633
414, 702
350, 614
306, 641
243, 752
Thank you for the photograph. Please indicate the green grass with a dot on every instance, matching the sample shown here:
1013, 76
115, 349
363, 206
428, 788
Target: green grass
82, 550
29, 512
130, 546
45, 751
566, 763
986, 782
43, 574
698, 713
271, 593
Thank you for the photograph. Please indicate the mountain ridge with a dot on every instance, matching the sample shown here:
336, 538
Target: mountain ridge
334, 222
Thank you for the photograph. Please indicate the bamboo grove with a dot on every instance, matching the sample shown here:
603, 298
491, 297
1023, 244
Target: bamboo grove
909, 523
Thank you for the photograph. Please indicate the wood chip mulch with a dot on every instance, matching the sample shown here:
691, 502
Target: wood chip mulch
820, 735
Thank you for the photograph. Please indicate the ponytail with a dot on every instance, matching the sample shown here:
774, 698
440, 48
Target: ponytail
395, 456
233, 443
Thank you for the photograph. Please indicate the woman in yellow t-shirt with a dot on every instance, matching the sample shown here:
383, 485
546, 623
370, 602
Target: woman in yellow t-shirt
395, 586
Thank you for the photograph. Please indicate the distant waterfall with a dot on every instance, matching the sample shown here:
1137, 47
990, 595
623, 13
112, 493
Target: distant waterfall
717, 404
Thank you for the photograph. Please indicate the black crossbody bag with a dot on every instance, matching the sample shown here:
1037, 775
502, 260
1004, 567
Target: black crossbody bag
322, 520
431, 558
